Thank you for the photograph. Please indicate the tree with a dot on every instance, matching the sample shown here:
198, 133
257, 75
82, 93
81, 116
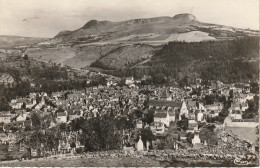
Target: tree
147, 135
222, 115
209, 99
183, 123
138, 113
149, 117
73, 145
63, 127
184, 81
254, 87
4, 106
208, 134
36, 120
190, 136
101, 134
76, 124
252, 110
159, 78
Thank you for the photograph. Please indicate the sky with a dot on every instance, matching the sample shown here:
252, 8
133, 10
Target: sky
45, 18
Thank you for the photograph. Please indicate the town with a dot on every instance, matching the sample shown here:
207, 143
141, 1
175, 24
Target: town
204, 117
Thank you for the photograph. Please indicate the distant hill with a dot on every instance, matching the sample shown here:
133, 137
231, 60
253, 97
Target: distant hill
143, 46
136, 30
13, 41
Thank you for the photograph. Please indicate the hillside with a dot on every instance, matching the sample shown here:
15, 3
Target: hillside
159, 30
228, 61
149, 45
12, 41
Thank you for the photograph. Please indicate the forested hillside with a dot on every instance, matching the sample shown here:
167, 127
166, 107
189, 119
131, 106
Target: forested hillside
227, 60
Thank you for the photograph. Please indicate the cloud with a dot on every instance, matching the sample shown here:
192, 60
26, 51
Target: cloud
29, 19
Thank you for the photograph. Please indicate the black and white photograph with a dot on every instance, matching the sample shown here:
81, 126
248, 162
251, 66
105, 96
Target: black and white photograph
129, 83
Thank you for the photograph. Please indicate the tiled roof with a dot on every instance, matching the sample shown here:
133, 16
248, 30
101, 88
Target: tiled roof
61, 114
160, 115
171, 113
192, 104
165, 103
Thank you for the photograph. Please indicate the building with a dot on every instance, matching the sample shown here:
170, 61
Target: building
237, 115
129, 81
184, 110
157, 127
196, 143
6, 79
216, 106
140, 145
247, 123
162, 117
61, 117
5, 118
200, 116
139, 124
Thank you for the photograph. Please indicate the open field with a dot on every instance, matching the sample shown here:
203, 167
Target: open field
194, 36
248, 134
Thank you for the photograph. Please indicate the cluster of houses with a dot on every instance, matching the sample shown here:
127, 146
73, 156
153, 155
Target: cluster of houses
6, 79
170, 105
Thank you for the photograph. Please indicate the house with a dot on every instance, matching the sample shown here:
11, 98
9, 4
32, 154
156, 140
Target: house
235, 115
216, 106
17, 124
162, 117
159, 104
61, 117
196, 143
165, 95
109, 83
129, 81
192, 105
5, 117
6, 79
201, 107
21, 117
74, 115
184, 110
244, 106
139, 124
140, 145
146, 77
157, 127
30, 104
17, 104
171, 115
183, 135
234, 107
7, 138
199, 116
213, 113
192, 126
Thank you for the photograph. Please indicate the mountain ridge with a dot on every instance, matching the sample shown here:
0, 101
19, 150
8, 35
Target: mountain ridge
137, 46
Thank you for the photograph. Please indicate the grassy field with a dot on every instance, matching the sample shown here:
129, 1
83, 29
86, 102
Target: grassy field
194, 36
248, 134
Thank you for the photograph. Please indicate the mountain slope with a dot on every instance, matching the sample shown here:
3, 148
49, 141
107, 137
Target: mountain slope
131, 47
105, 31
12, 41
